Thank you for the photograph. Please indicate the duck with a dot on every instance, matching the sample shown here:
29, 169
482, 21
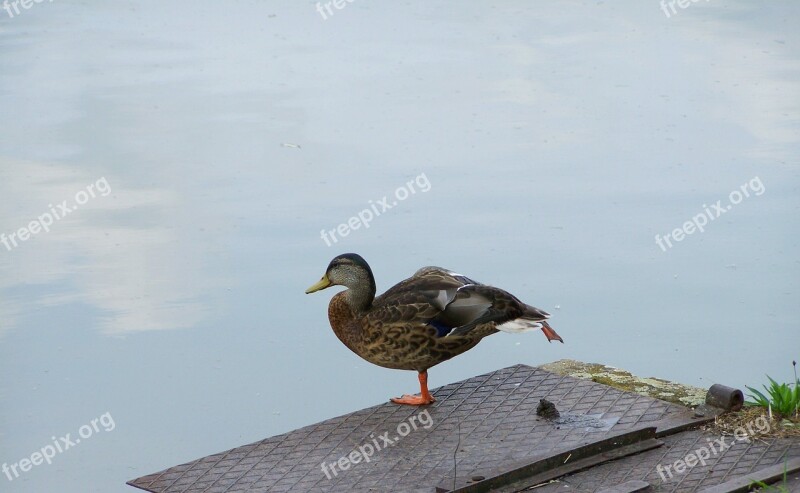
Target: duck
434, 315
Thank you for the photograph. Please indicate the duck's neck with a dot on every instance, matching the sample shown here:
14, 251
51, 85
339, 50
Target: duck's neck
360, 296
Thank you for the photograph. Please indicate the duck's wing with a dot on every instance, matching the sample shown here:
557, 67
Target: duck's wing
433, 272
452, 304
416, 300
500, 307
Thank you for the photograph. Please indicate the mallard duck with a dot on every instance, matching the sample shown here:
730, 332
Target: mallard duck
422, 321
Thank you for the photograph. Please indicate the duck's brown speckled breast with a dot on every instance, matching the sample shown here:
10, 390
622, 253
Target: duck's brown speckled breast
343, 322
397, 346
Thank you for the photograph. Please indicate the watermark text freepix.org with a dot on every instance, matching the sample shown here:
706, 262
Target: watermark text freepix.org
8, 5
699, 222
60, 445
714, 448
375, 209
681, 3
366, 451
44, 221
339, 4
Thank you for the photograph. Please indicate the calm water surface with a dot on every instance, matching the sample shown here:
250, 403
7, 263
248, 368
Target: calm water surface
557, 139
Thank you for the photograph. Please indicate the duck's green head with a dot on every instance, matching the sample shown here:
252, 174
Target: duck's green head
349, 270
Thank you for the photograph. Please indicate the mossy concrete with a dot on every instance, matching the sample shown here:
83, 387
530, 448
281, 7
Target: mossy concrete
657, 388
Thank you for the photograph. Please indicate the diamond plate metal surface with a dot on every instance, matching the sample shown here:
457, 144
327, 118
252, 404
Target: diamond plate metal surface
738, 460
490, 418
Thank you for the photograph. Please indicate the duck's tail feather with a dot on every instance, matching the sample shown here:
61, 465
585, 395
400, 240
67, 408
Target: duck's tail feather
519, 325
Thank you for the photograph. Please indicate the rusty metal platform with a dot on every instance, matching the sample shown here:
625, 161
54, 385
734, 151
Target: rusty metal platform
483, 434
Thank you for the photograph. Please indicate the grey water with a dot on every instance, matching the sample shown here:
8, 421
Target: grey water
174, 175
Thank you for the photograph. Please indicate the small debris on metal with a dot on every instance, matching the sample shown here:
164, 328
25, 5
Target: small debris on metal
547, 409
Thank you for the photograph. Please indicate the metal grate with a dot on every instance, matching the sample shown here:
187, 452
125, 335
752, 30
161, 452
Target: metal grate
492, 420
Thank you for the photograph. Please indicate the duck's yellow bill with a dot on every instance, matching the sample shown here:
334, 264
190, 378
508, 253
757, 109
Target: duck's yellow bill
322, 284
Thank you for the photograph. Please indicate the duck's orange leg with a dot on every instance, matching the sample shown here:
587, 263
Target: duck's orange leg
424, 398
550, 333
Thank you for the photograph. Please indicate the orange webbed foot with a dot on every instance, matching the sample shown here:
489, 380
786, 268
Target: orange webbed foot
414, 400
551, 334
423, 399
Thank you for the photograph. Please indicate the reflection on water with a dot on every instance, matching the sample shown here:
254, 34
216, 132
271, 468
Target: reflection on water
557, 141
110, 253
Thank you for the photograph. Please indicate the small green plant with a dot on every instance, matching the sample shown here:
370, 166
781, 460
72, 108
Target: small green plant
780, 399
780, 488
765, 487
